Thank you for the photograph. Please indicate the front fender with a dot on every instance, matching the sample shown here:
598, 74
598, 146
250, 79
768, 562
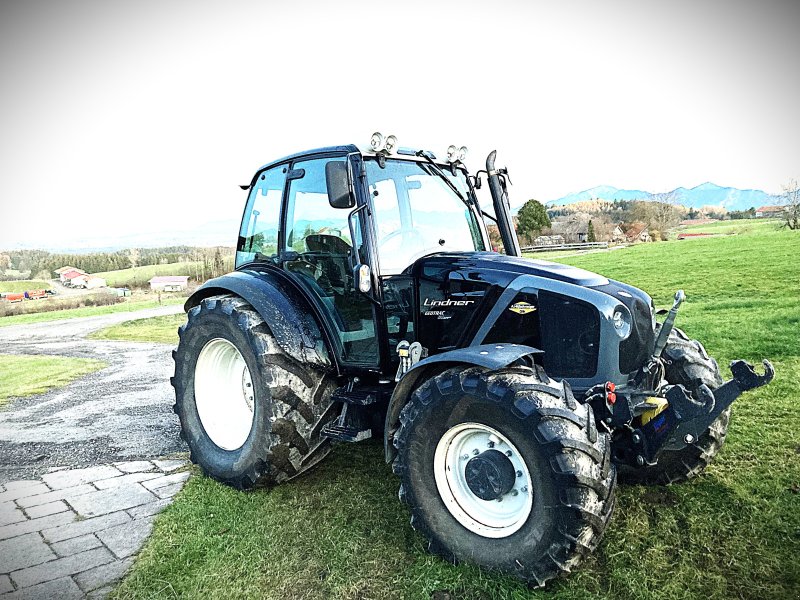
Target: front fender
287, 314
488, 356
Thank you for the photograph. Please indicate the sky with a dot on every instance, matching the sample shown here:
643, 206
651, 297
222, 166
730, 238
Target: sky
124, 120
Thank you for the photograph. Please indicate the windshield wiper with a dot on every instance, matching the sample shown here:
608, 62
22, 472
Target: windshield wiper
438, 172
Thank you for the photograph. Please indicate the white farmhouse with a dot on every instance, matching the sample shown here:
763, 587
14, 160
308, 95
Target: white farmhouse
169, 283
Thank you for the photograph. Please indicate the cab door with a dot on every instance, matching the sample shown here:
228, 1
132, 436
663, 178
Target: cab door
318, 252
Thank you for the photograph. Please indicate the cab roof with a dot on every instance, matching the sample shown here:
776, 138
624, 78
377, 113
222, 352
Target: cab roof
407, 153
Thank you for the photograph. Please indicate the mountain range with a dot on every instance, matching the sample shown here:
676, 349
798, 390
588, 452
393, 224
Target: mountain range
706, 194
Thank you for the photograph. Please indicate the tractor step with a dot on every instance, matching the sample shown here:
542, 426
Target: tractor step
345, 434
349, 426
360, 396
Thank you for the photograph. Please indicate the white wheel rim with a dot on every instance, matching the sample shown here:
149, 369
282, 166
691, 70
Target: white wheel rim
488, 518
223, 393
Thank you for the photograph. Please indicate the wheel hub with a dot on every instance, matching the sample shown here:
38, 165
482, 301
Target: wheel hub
490, 475
223, 393
483, 480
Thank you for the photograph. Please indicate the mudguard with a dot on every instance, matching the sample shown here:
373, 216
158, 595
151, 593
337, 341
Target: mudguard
488, 356
286, 312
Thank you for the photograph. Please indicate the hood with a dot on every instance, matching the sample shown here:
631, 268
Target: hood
503, 268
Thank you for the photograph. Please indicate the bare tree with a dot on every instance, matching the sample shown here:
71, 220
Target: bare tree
791, 203
661, 213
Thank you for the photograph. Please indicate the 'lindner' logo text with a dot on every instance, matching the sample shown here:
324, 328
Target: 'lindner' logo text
432, 303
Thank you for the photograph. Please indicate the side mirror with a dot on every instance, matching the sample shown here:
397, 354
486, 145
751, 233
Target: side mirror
336, 180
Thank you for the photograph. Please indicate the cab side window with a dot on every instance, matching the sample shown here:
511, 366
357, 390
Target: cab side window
258, 236
318, 252
310, 217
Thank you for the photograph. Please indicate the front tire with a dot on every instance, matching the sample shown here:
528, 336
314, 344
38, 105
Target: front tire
549, 492
248, 412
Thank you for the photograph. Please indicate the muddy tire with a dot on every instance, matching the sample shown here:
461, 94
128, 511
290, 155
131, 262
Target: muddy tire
689, 365
248, 412
554, 495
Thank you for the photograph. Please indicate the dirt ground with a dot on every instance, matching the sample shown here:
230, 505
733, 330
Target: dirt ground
122, 412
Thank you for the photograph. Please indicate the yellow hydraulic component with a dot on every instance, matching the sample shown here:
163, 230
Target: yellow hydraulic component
659, 405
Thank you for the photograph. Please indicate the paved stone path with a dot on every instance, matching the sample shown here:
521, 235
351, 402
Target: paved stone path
80, 481
73, 533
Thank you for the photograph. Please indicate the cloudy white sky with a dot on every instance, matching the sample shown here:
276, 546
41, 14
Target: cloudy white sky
121, 118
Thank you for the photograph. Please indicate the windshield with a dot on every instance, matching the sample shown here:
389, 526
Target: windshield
417, 213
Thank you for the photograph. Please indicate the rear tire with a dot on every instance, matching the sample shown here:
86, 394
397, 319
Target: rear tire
564, 479
689, 365
224, 346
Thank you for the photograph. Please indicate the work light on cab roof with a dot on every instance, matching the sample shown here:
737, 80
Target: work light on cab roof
456, 154
379, 143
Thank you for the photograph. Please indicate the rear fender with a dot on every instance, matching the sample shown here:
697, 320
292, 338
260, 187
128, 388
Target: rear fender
287, 314
488, 356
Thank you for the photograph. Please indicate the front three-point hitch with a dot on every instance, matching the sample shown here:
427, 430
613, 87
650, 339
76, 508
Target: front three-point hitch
645, 423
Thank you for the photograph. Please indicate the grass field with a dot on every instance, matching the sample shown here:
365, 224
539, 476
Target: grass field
16, 287
162, 329
90, 311
22, 375
141, 275
738, 226
734, 532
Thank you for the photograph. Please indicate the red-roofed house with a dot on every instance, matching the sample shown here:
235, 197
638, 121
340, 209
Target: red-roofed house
68, 276
770, 211
637, 232
169, 283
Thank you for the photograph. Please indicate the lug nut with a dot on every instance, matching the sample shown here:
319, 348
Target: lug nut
475, 452
508, 452
464, 456
490, 444
524, 489
519, 473
514, 492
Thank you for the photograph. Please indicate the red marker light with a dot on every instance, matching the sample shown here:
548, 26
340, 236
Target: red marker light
611, 397
610, 386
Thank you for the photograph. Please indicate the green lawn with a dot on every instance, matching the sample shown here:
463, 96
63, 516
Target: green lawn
22, 375
89, 311
340, 532
24, 285
162, 329
141, 275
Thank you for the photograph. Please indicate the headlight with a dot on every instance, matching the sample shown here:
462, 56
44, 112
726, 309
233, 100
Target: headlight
391, 143
622, 323
462, 153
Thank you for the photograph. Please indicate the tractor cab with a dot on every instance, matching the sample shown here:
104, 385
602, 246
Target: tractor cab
347, 225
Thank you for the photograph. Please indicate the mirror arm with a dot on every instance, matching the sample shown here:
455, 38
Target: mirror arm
355, 256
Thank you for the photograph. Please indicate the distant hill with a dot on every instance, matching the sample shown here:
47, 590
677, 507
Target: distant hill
706, 194
216, 233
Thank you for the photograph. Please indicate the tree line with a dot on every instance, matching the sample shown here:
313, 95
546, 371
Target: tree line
42, 264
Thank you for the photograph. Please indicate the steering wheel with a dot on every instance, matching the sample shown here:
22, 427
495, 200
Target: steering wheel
411, 233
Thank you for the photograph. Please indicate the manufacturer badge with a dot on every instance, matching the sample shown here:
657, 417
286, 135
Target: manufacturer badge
522, 308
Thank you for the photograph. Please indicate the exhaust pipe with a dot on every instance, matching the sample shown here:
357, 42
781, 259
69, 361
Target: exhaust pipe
501, 207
